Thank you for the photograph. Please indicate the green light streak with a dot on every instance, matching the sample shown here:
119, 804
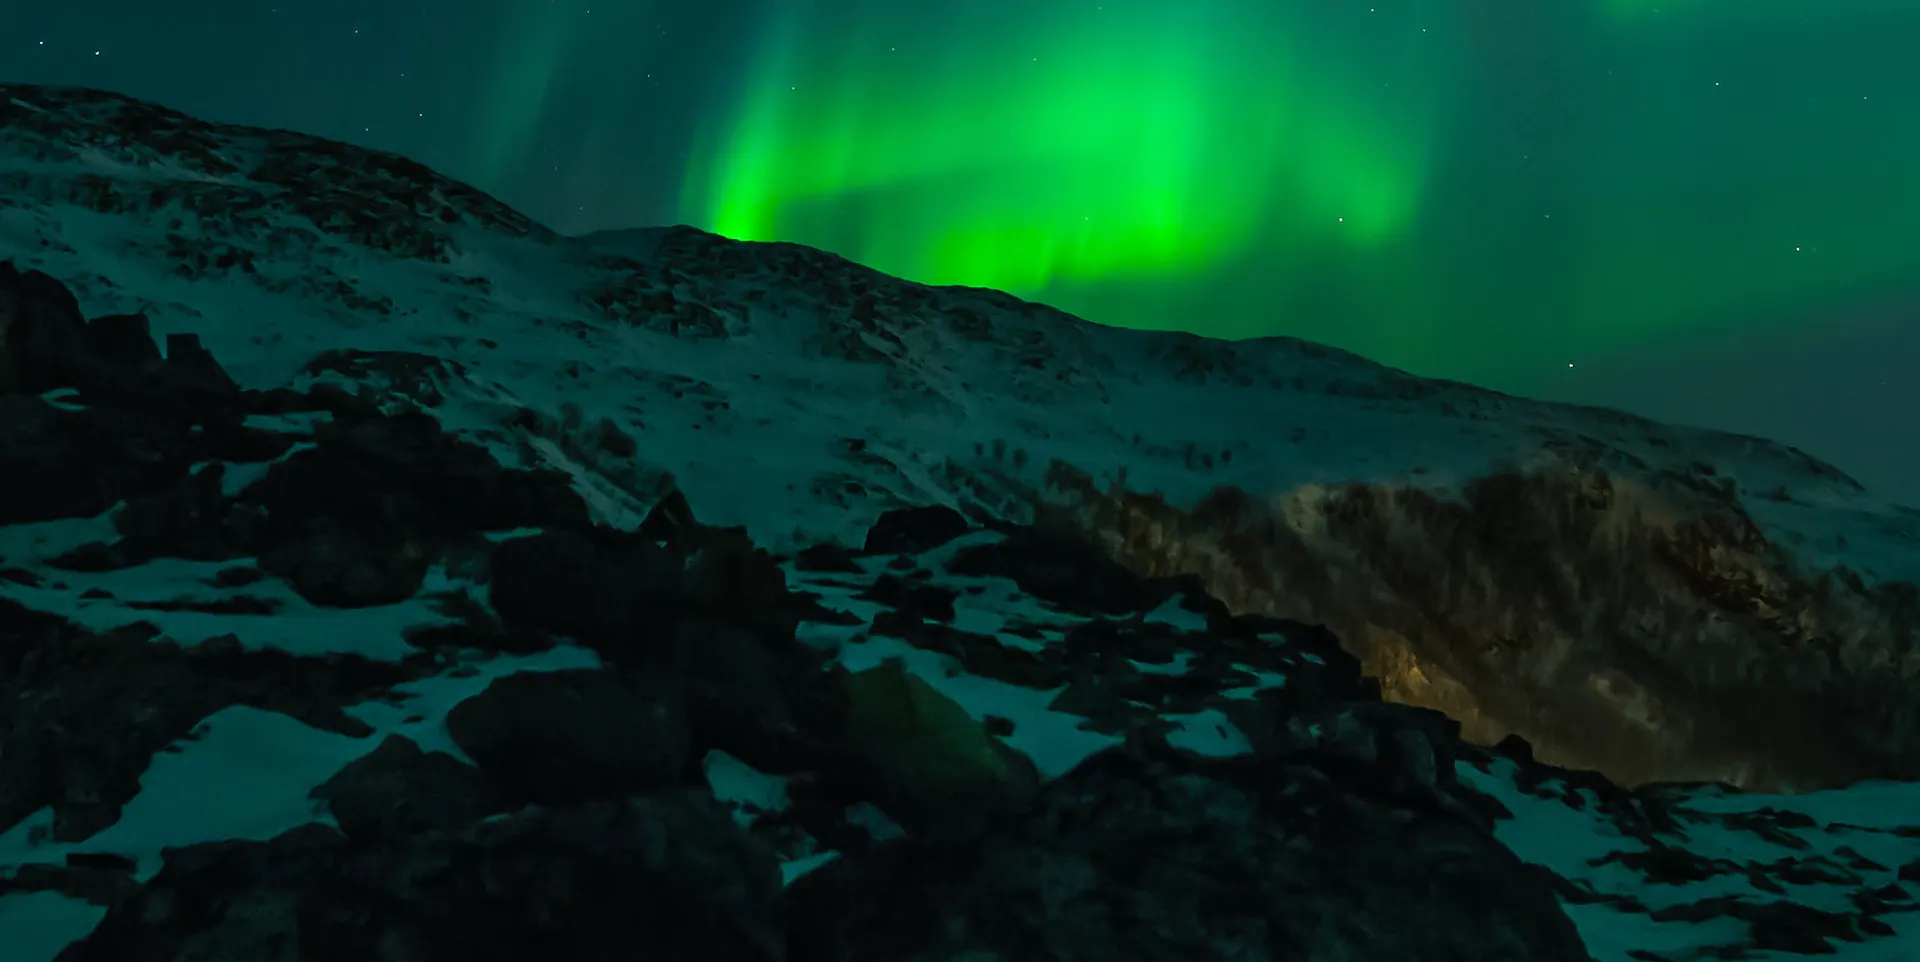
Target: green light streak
1481, 191
537, 50
1146, 141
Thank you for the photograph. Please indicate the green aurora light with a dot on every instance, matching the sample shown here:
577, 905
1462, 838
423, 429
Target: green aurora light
1150, 140
1470, 189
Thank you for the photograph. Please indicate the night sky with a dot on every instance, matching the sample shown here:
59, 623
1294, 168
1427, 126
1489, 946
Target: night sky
1702, 210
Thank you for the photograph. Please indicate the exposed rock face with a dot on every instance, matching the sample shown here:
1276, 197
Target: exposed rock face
1652, 633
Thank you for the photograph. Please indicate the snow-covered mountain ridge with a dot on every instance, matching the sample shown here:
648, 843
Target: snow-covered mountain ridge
1695, 605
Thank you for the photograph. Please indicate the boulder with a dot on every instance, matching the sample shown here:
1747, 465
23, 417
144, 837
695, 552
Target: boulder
1055, 565
564, 737
615, 597
915, 530
398, 790
933, 767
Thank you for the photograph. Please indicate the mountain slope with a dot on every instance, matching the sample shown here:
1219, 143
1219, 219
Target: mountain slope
283, 675
1656, 602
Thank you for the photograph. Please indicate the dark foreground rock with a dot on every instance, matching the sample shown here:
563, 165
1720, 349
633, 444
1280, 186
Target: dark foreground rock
667, 877
561, 737
1173, 859
81, 714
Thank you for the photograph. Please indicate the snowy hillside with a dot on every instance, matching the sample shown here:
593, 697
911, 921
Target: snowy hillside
320, 571
840, 385
801, 395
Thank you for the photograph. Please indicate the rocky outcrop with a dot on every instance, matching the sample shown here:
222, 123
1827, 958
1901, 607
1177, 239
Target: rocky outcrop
1278, 860
1645, 629
82, 713
937, 770
667, 875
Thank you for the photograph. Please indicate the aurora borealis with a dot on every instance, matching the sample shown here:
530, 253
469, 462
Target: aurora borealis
1611, 201
1385, 177
1135, 141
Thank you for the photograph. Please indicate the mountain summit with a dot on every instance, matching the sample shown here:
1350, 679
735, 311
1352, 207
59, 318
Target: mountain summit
1008, 562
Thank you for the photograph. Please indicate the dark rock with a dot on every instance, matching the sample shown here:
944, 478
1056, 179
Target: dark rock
1787, 927
827, 558
21, 576
123, 340
742, 694
341, 403
935, 769
58, 463
1057, 566
623, 593
190, 519
469, 636
988, 657
1092, 695
190, 363
1667, 865
94, 556
42, 332
1515, 747
81, 714
109, 861
229, 605
913, 599
397, 789
669, 877
979, 654
97, 878
614, 597
350, 567
1178, 858
1388, 751
730, 579
1773, 926
404, 472
280, 401
670, 523
359, 518
915, 530
141, 422
563, 737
